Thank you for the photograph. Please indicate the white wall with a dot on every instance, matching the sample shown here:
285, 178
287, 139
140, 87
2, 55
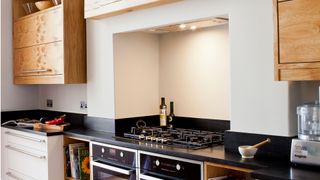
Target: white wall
136, 66
194, 72
65, 97
13, 97
258, 103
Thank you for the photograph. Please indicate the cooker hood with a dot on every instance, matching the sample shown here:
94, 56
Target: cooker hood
217, 21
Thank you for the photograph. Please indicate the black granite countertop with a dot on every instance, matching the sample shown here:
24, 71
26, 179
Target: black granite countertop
264, 168
215, 154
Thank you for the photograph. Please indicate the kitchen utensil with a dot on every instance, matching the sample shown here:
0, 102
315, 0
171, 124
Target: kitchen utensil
40, 126
29, 7
309, 121
261, 143
247, 151
41, 5
56, 2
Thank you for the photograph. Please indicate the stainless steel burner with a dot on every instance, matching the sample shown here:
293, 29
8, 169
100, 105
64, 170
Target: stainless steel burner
182, 137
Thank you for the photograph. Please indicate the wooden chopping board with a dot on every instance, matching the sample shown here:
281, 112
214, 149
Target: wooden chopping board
61, 127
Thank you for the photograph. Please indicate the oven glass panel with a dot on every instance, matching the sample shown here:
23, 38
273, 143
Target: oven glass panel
105, 174
166, 168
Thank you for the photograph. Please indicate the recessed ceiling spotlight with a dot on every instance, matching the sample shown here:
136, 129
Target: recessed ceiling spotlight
182, 26
193, 27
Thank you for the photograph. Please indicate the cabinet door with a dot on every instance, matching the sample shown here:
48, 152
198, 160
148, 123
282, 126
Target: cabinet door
299, 31
42, 28
32, 163
10, 174
42, 60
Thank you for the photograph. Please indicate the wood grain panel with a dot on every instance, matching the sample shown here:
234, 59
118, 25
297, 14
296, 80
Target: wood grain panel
299, 74
43, 57
56, 79
299, 31
39, 29
75, 66
275, 43
212, 170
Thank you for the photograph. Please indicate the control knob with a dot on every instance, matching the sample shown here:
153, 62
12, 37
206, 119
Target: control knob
157, 162
178, 167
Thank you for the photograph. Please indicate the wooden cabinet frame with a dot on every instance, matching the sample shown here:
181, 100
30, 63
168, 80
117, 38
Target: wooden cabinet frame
302, 68
64, 28
212, 170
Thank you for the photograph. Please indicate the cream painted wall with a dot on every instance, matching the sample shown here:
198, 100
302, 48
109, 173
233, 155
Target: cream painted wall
258, 103
13, 97
136, 66
194, 72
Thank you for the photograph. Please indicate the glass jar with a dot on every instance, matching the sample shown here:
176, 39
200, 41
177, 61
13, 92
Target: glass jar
309, 121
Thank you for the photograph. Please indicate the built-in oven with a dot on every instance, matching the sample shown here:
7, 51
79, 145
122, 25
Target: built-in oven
162, 167
110, 162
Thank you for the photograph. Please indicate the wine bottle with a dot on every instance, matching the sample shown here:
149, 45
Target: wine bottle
171, 116
163, 112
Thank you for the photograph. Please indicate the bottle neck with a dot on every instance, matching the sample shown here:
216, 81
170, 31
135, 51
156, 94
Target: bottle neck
171, 107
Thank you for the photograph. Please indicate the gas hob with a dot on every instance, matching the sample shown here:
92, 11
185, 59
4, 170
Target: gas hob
185, 138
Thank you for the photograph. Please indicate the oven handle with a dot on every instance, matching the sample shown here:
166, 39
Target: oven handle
113, 168
148, 177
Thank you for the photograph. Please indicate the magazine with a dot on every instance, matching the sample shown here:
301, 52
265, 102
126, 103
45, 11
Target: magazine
84, 163
74, 159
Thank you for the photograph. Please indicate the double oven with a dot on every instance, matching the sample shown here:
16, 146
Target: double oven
110, 162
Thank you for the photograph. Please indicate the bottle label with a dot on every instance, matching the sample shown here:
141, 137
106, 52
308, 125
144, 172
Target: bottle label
163, 117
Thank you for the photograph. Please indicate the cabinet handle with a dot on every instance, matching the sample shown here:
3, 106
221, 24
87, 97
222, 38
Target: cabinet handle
25, 137
35, 71
13, 176
25, 152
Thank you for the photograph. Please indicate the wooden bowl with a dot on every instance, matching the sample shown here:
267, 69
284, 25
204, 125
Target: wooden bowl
41, 5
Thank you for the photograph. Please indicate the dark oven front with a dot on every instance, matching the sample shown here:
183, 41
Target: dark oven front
162, 167
113, 163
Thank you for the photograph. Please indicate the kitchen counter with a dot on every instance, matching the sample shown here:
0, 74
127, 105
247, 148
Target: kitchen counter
215, 154
286, 173
264, 168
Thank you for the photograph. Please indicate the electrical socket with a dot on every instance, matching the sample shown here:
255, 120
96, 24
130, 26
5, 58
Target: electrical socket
49, 103
83, 105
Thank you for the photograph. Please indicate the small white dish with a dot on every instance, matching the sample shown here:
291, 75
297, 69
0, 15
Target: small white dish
247, 152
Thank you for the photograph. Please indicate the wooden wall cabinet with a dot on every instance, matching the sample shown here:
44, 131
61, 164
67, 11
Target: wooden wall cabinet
50, 45
297, 40
213, 170
97, 9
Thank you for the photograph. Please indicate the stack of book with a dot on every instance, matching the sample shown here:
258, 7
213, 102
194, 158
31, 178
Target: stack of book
77, 161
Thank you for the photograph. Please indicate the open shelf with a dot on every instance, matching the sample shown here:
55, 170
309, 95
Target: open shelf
38, 12
213, 170
70, 140
19, 13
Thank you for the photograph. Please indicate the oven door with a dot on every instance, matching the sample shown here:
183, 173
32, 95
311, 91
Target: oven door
103, 171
